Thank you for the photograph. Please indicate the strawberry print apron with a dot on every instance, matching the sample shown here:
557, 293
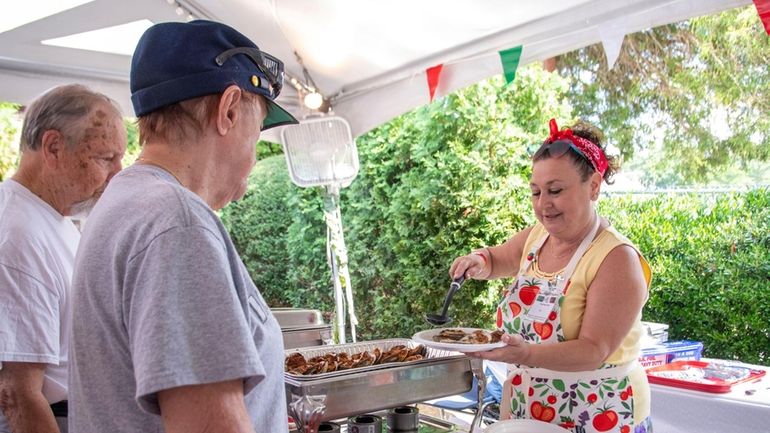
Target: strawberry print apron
601, 400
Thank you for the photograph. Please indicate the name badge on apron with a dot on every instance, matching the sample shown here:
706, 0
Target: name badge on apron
545, 302
542, 307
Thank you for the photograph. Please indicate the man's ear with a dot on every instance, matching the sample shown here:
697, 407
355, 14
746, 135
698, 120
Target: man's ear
228, 109
52, 146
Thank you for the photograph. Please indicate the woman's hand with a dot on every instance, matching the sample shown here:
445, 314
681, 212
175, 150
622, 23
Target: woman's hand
472, 265
492, 262
516, 351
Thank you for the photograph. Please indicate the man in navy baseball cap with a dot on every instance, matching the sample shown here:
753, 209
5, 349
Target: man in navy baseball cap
169, 333
178, 61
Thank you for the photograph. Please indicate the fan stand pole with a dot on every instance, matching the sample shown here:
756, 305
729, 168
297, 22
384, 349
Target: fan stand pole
339, 262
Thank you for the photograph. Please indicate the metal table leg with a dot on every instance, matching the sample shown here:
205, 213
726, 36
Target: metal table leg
477, 367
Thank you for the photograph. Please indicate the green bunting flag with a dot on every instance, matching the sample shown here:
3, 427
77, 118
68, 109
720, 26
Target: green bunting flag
510, 59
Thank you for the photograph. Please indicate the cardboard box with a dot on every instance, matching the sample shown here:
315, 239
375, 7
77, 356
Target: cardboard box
661, 354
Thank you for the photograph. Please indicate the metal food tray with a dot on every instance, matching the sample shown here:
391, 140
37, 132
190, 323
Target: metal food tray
315, 398
306, 336
352, 348
297, 317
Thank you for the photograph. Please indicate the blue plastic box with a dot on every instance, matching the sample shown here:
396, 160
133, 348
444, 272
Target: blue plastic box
661, 354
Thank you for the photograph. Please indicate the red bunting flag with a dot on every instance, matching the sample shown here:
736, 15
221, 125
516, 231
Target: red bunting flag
433, 76
763, 9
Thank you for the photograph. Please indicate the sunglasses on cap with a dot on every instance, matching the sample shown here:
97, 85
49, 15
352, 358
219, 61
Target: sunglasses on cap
271, 67
556, 149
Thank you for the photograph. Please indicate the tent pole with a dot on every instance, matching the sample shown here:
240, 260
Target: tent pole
338, 261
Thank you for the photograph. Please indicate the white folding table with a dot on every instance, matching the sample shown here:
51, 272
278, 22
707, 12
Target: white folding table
745, 409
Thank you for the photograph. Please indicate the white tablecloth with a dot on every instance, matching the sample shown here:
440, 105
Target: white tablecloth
676, 410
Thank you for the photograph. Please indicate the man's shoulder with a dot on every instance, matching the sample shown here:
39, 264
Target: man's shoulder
12, 204
23, 247
21, 224
137, 194
142, 203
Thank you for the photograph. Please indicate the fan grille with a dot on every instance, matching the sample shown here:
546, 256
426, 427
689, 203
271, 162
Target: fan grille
320, 152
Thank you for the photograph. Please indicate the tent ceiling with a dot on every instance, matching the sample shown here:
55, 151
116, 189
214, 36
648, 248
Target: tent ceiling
367, 56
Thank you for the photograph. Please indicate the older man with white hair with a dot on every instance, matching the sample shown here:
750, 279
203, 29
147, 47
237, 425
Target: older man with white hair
72, 143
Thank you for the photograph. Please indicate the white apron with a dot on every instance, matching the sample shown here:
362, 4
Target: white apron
601, 400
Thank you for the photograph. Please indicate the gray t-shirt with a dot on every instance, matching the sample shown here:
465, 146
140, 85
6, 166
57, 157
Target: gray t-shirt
160, 300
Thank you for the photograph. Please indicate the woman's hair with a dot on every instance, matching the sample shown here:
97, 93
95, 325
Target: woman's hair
586, 130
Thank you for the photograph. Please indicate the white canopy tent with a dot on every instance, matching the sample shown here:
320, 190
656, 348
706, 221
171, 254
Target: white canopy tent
366, 57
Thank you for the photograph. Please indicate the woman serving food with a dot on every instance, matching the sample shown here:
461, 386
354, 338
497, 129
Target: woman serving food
572, 318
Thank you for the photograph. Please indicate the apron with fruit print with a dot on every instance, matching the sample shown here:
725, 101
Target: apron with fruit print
582, 402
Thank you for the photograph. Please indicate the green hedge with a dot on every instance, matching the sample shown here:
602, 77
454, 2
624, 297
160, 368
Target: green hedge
710, 255
452, 176
280, 233
10, 127
433, 183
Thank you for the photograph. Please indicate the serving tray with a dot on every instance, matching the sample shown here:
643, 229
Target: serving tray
702, 376
321, 397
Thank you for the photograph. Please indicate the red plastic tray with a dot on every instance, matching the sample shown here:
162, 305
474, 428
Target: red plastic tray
716, 377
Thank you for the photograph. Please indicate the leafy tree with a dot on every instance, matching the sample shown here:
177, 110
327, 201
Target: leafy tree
710, 258
452, 176
10, 127
266, 149
695, 94
434, 183
132, 142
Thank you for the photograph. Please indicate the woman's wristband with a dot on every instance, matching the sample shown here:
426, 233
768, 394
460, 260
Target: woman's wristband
486, 256
483, 257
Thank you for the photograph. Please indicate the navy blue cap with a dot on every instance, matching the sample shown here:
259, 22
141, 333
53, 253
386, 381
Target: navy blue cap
174, 62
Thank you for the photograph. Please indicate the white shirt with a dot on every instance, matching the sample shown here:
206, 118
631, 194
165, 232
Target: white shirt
37, 255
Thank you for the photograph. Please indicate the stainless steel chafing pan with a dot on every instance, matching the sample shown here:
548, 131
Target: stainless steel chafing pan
315, 398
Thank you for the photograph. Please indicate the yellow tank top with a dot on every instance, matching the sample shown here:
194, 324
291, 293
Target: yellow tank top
574, 305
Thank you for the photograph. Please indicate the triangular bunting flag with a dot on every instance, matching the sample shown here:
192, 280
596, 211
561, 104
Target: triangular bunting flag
763, 9
510, 59
433, 76
612, 35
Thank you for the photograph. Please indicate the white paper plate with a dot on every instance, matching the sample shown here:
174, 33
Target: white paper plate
426, 338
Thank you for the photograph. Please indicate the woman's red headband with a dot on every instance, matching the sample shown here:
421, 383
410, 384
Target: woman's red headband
589, 149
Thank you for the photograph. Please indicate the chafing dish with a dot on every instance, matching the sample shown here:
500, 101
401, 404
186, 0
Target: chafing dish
297, 317
302, 327
306, 336
312, 399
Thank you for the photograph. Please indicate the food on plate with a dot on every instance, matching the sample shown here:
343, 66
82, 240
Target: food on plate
460, 336
297, 364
